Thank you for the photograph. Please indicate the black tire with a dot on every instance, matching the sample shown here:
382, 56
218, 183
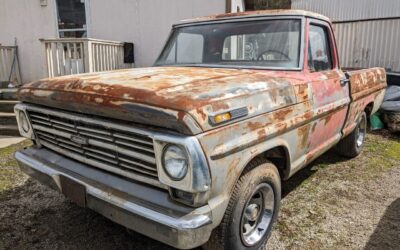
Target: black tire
229, 235
351, 145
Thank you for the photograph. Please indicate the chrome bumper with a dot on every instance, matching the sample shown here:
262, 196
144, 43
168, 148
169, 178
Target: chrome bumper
144, 209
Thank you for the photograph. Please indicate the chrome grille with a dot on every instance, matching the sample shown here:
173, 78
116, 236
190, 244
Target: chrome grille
97, 143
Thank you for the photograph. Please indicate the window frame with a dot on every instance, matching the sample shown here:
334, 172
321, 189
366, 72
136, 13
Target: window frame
331, 44
303, 23
86, 29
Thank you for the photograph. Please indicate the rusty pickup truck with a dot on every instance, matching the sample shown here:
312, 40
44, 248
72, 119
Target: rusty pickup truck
193, 150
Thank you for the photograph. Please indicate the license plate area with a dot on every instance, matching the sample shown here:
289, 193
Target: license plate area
73, 190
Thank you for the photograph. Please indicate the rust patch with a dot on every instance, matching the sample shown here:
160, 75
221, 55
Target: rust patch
203, 115
281, 115
219, 106
255, 125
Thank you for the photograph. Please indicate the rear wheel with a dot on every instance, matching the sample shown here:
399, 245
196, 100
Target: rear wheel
252, 210
352, 145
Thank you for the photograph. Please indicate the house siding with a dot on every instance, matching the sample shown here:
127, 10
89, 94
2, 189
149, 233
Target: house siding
146, 23
350, 10
367, 31
27, 21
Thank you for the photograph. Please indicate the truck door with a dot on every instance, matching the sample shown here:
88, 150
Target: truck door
329, 92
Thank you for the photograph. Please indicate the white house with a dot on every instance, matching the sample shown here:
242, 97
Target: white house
146, 23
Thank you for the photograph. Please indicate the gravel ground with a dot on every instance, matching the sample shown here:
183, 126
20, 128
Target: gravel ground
333, 204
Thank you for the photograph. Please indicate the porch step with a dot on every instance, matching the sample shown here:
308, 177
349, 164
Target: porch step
4, 85
9, 130
8, 94
8, 119
7, 106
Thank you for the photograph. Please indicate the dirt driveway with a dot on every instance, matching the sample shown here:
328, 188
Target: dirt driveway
333, 204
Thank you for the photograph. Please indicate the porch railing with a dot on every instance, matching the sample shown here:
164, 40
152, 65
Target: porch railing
9, 65
67, 56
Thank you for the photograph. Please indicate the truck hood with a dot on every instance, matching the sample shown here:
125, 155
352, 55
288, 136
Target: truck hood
178, 98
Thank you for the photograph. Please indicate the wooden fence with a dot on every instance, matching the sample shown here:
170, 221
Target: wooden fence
9, 65
67, 56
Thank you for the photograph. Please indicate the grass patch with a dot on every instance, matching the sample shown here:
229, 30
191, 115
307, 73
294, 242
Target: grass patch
322, 188
10, 175
382, 154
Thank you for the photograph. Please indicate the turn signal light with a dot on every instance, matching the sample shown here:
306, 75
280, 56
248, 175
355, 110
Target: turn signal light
222, 117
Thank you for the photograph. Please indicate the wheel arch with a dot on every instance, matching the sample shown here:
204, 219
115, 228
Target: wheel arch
278, 154
369, 108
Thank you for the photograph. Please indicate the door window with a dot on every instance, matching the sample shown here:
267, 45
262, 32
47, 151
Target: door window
319, 56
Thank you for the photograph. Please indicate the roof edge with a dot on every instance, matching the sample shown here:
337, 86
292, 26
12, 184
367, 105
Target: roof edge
250, 14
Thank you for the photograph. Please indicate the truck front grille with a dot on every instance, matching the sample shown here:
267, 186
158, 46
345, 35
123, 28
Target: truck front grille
95, 142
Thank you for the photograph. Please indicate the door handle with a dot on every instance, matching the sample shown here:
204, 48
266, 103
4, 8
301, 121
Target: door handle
344, 81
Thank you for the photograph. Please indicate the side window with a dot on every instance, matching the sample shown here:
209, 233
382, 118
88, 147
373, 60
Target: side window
319, 53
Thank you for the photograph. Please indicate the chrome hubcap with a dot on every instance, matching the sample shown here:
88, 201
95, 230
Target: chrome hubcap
361, 131
257, 215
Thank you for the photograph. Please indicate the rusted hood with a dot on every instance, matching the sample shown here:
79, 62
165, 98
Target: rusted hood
179, 98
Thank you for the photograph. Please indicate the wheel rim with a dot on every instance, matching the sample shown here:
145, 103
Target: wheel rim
257, 215
361, 131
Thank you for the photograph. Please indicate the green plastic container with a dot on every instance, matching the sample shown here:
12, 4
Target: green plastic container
376, 122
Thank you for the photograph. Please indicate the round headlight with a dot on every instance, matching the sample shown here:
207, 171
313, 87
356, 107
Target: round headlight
23, 120
175, 162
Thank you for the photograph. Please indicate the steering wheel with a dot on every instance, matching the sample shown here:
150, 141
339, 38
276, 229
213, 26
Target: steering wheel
261, 55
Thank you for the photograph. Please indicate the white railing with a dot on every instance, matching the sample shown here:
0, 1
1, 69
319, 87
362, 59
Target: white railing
67, 56
9, 65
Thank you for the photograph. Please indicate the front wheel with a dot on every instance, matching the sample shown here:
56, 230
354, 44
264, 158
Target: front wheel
252, 210
352, 145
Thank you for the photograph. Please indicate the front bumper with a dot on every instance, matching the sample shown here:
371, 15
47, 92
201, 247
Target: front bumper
142, 208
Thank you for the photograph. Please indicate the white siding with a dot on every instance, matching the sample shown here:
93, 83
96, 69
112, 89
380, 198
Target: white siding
146, 23
27, 21
345, 10
369, 44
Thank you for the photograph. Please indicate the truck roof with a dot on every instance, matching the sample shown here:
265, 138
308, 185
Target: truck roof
260, 13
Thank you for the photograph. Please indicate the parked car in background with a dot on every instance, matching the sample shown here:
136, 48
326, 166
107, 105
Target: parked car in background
194, 149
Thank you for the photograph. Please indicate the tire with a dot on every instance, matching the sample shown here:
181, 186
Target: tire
260, 179
352, 144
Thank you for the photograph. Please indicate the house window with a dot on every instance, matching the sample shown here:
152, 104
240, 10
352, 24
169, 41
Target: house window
71, 16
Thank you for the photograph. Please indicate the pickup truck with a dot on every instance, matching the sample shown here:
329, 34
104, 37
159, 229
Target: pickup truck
193, 150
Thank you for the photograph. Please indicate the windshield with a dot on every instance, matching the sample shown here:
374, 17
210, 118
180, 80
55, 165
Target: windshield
265, 43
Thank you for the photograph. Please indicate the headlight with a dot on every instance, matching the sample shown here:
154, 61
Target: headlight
23, 121
175, 162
